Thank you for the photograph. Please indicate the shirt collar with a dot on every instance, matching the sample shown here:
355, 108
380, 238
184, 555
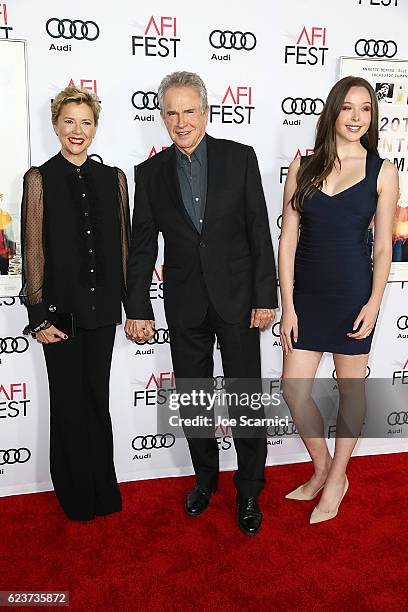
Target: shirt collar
70, 167
199, 154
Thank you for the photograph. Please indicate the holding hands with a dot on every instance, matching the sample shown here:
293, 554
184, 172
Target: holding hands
139, 330
262, 317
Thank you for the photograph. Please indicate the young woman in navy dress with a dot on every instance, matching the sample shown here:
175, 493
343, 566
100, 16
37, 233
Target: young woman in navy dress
331, 290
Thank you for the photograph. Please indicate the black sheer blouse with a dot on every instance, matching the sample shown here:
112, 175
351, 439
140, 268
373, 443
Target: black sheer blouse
75, 228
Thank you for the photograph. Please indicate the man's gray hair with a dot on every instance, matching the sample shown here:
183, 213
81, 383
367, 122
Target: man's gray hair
183, 79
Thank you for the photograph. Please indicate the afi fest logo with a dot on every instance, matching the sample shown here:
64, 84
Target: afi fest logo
283, 171
401, 376
236, 106
159, 38
156, 391
310, 48
4, 22
378, 2
13, 400
89, 84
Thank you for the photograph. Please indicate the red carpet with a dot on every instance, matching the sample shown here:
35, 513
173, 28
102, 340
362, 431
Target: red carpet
153, 557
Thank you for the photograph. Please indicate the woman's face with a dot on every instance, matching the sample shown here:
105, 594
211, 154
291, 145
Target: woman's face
355, 116
75, 129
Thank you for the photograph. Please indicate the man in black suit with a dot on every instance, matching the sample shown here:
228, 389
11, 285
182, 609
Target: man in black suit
205, 195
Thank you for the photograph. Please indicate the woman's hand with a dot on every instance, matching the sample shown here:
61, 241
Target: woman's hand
50, 335
366, 318
288, 326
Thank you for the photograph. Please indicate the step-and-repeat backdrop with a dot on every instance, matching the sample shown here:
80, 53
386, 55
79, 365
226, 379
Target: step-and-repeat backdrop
268, 67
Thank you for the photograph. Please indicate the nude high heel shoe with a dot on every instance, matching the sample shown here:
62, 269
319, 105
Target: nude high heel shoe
318, 516
300, 496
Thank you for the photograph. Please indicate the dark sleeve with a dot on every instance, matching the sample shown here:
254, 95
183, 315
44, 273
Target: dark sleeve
124, 219
32, 248
142, 255
264, 291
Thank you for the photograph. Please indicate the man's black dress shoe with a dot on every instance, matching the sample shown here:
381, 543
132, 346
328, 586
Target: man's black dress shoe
197, 500
249, 515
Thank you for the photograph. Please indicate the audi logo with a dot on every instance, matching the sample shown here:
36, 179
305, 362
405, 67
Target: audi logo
161, 336
334, 375
402, 322
277, 431
232, 40
398, 418
151, 441
8, 301
375, 48
67, 28
14, 455
302, 106
13, 345
145, 100
276, 329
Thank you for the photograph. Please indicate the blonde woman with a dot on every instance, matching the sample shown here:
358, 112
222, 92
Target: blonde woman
75, 228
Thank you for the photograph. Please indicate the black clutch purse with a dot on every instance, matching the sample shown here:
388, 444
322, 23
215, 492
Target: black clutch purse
65, 322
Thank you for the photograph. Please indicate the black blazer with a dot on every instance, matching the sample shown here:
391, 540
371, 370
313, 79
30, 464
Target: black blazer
231, 262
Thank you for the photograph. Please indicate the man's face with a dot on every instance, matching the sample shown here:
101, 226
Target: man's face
183, 118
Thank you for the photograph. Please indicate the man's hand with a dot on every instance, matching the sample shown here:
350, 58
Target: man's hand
139, 330
262, 317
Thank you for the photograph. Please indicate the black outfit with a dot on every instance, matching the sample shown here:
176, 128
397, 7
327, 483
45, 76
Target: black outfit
4, 265
333, 267
212, 278
75, 231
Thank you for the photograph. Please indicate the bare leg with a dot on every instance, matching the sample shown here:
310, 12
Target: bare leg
299, 370
347, 367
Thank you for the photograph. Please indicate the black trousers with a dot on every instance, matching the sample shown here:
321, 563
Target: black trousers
192, 354
4, 265
81, 442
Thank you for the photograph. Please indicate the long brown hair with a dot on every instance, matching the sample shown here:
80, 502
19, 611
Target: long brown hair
316, 168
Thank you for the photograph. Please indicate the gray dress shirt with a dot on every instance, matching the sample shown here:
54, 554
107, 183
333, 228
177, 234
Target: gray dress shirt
192, 176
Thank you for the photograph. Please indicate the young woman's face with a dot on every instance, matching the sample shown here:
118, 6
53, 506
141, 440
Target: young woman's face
75, 129
355, 116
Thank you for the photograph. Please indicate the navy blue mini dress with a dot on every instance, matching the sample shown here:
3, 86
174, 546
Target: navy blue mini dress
333, 266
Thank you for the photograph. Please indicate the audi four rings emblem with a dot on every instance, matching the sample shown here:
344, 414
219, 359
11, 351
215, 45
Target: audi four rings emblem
282, 430
402, 322
368, 372
145, 100
276, 329
14, 455
149, 442
232, 40
398, 418
161, 336
13, 345
375, 48
75, 28
302, 106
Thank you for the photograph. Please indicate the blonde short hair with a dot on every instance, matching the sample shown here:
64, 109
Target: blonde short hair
78, 95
